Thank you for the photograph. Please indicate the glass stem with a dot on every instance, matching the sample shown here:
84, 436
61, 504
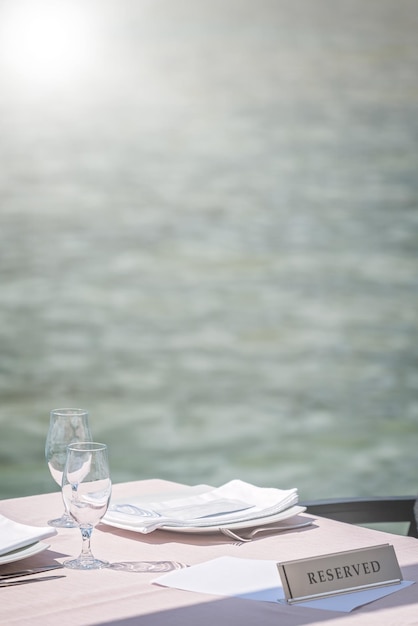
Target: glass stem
86, 553
66, 513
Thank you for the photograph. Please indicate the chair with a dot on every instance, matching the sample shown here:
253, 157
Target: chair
368, 510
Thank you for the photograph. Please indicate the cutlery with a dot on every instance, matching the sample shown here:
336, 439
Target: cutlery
28, 572
263, 529
13, 583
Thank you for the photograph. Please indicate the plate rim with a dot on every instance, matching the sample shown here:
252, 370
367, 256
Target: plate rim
200, 530
257, 521
23, 553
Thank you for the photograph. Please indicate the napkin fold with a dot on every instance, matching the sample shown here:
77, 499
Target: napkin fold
235, 501
14, 535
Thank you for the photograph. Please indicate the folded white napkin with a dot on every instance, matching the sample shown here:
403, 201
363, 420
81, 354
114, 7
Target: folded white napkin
235, 501
14, 535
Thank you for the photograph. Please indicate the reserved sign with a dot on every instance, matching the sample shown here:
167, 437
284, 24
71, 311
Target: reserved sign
340, 572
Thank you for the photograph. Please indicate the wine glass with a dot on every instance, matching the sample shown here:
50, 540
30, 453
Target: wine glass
66, 426
86, 489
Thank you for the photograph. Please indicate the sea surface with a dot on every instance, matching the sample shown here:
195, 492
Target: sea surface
209, 237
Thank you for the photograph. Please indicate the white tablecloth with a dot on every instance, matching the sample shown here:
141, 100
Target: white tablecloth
128, 598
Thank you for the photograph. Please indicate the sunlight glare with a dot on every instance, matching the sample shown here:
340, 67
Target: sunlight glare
45, 42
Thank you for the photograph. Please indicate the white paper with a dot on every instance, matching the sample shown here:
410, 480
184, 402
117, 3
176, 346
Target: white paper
14, 535
259, 580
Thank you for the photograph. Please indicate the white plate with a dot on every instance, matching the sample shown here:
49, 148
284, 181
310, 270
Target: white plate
249, 523
23, 553
141, 501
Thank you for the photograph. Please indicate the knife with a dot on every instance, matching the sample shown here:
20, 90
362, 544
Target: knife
14, 582
27, 572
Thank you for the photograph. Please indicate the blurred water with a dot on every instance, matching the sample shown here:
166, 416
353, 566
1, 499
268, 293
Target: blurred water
208, 238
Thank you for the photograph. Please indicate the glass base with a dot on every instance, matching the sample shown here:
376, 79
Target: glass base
86, 564
63, 522
147, 566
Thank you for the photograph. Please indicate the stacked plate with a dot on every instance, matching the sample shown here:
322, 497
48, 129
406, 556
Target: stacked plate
204, 509
18, 541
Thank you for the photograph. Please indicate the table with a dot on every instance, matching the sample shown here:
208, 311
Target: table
128, 598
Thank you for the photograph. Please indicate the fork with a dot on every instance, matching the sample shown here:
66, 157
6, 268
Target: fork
263, 529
